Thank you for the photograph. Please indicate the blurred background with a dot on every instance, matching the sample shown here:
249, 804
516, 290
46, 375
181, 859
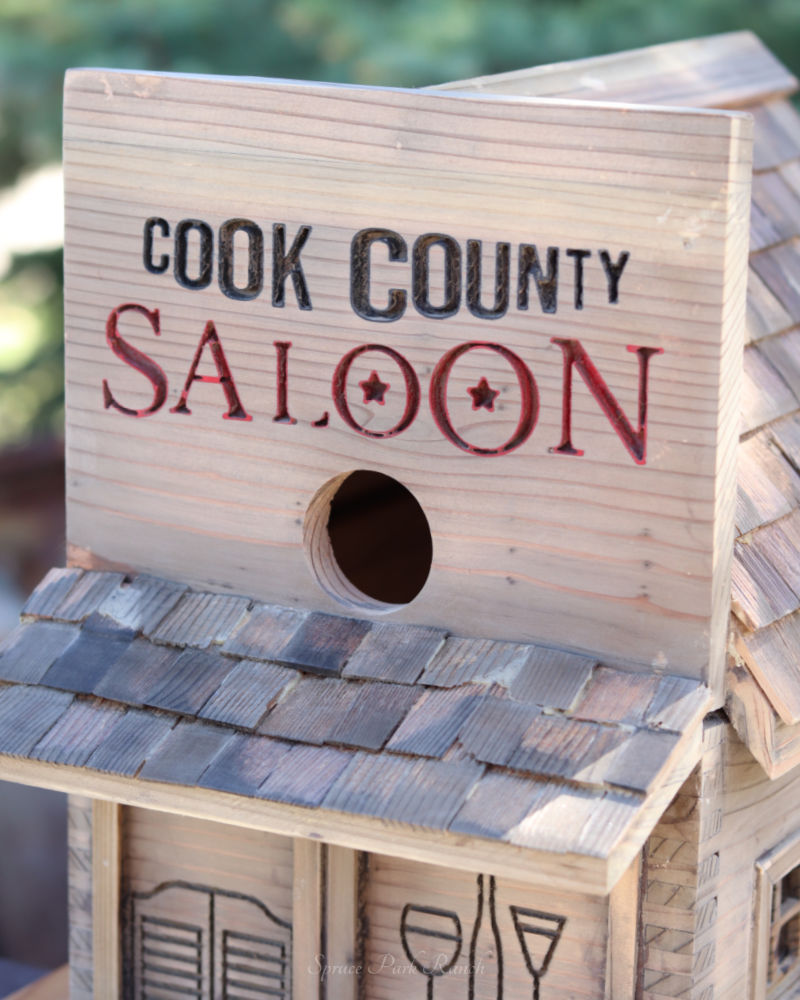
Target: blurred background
406, 43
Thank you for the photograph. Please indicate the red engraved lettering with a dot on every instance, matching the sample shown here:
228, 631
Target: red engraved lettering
339, 389
282, 415
529, 404
634, 440
235, 409
136, 359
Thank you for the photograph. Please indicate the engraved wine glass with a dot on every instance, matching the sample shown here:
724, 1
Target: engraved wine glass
431, 939
538, 934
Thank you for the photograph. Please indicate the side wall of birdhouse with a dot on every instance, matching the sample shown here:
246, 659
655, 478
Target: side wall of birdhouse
729, 837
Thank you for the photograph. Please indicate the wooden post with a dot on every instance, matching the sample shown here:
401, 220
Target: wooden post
307, 942
341, 923
623, 934
106, 898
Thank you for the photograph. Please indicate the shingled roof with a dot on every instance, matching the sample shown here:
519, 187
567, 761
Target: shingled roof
737, 71
151, 682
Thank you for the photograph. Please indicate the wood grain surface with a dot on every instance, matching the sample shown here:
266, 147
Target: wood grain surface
489, 941
733, 70
595, 552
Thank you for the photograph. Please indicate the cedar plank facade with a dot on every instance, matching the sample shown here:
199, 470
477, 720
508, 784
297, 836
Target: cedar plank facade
259, 792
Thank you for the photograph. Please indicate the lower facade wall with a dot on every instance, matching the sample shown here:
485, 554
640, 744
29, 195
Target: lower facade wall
404, 927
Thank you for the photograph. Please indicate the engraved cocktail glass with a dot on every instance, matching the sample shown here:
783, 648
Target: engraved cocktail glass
431, 939
538, 934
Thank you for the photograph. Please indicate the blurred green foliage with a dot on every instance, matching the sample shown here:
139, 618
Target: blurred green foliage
390, 42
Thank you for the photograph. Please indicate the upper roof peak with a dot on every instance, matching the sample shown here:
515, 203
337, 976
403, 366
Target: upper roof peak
733, 70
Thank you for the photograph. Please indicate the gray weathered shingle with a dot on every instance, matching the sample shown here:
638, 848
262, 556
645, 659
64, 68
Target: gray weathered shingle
397, 653
132, 739
185, 753
244, 764
200, 620
75, 735
247, 693
432, 725
265, 632
324, 643
142, 603
27, 714
51, 591
87, 660
32, 649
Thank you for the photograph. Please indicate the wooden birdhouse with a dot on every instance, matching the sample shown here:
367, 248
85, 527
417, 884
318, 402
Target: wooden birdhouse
408, 437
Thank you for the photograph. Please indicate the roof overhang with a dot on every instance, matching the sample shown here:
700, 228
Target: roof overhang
522, 760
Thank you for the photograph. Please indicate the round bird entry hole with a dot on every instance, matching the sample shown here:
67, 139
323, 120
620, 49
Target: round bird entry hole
368, 541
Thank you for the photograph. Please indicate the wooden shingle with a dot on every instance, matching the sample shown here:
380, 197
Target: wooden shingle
498, 802
31, 650
783, 353
50, 592
185, 753
26, 714
324, 643
763, 233
786, 435
305, 775
677, 702
265, 632
433, 724
244, 764
641, 760
779, 269
192, 680
132, 739
248, 692
765, 395
200, 620
435, 792
495, 729
424, 793
138, 672
760, 595
779, 203
771, 655
89, 658
311, 710
576, 819
78, 732
617, 696
142, 603
767, 486
552, 677
765, 314
779, 545
790, 172
776, 138
561, 748
461, 661
394, 652
86, 596
374, 715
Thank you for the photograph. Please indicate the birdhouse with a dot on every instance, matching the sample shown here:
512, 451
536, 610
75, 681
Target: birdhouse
411, 467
